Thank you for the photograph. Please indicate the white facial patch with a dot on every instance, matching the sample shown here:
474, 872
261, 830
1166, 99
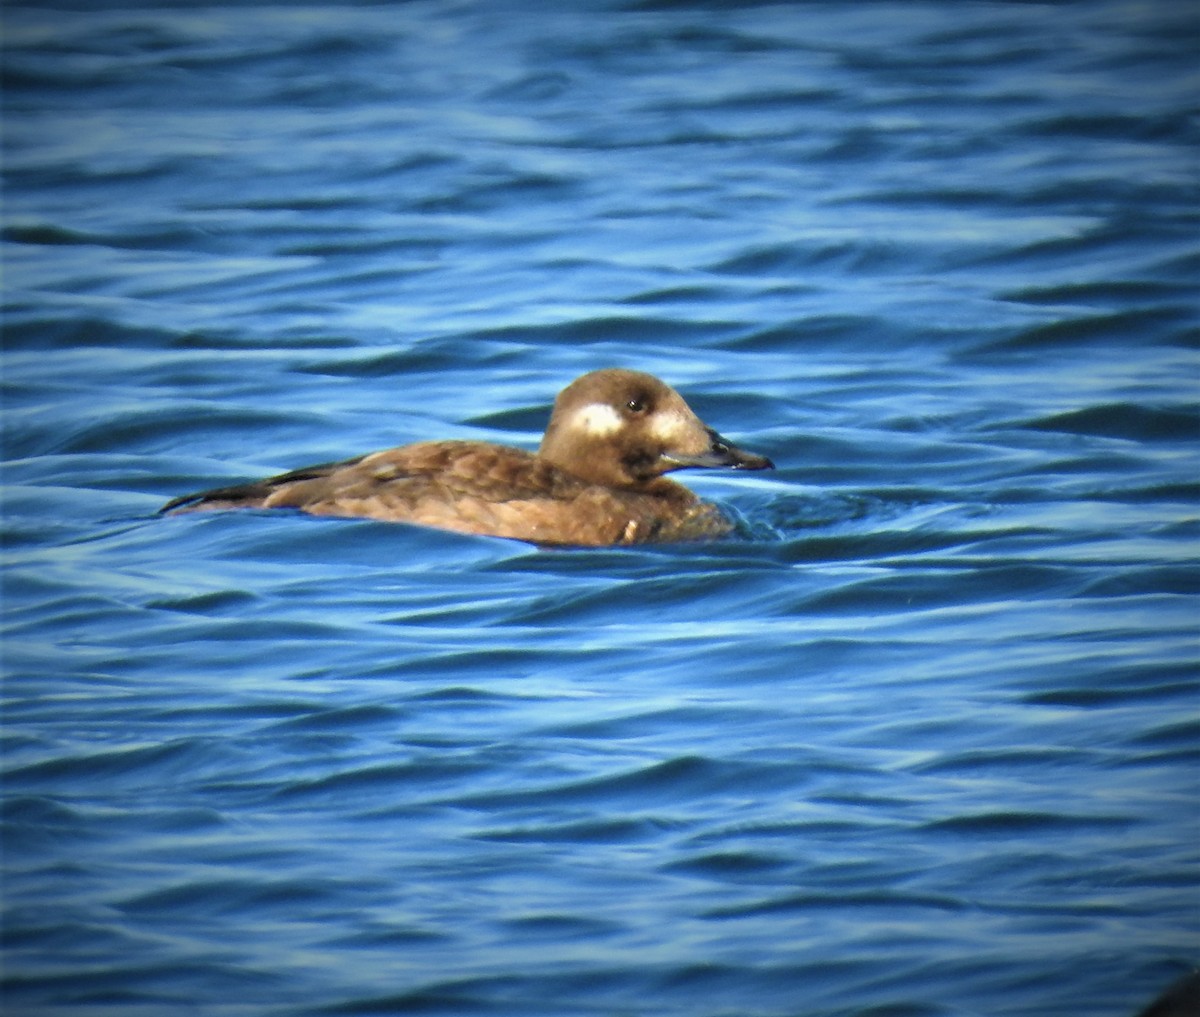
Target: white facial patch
670, 425
599, 419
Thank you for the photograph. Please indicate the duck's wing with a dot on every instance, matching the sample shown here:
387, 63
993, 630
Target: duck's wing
476, 487
389, 484
256, 493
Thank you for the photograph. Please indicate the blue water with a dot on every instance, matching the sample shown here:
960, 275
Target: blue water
922, 740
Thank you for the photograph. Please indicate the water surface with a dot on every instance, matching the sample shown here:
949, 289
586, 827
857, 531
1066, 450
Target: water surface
920, 740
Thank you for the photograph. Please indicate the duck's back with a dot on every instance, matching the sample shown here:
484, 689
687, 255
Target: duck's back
477, 487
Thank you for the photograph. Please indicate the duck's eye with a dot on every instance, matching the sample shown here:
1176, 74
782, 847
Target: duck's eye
636, 405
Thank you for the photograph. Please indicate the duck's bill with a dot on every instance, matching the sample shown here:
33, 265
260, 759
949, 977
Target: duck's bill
720, 453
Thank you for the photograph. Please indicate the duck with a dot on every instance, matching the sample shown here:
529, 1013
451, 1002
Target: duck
597, 479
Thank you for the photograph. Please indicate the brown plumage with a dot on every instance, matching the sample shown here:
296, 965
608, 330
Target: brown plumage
597, 478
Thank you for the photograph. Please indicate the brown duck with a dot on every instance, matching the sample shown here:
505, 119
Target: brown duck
597, 479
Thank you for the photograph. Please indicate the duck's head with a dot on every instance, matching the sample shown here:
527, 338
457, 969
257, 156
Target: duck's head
625, 429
